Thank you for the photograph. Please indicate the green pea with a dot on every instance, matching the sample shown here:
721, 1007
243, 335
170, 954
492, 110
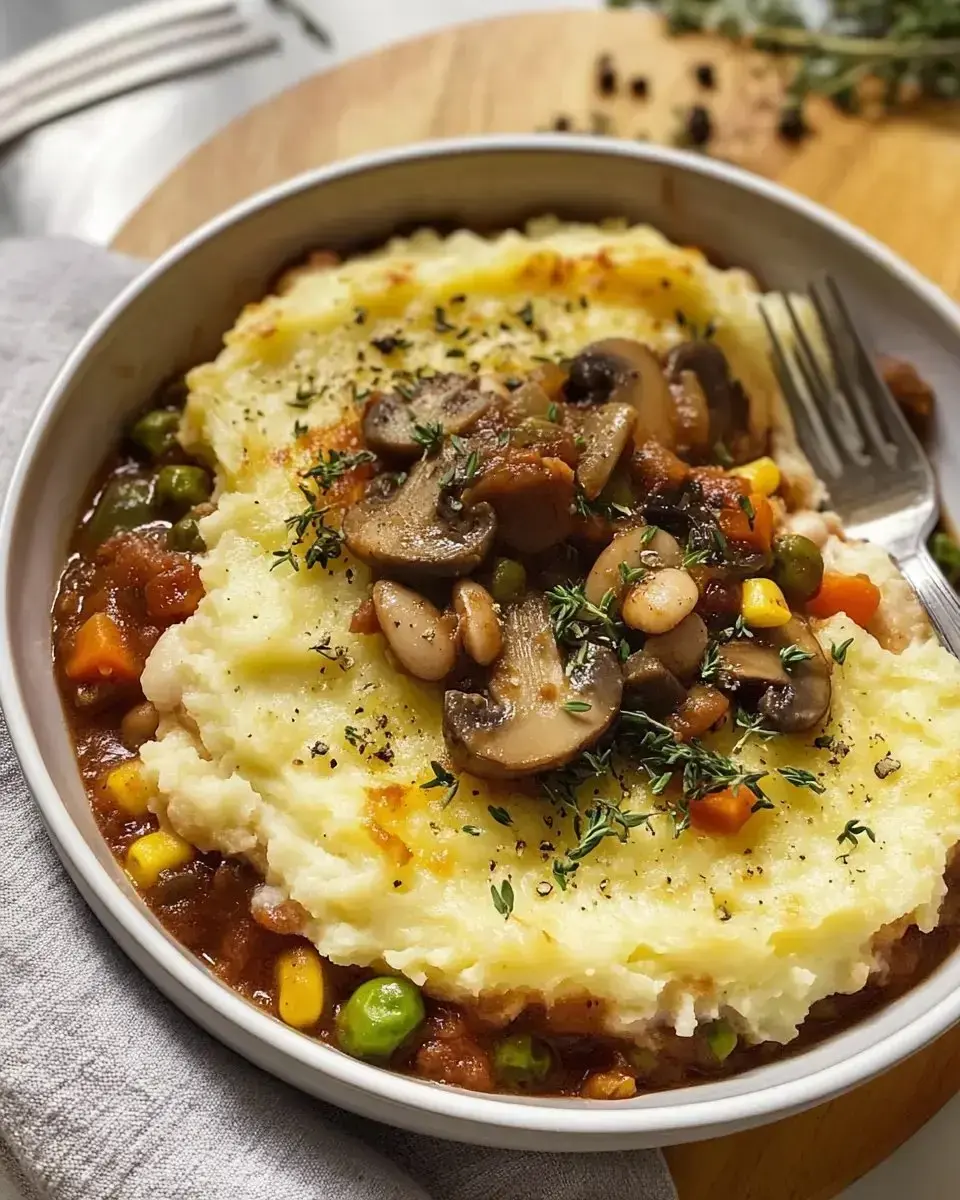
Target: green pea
181, 488
125, 503
186, 536
721, 1039
379, 1016
946, 553
509, 580
156, 431
797, 566
521, 1060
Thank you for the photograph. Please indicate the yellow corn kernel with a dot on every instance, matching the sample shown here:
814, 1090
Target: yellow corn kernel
763, 475
609, 1085
300, 987
763, 605
156, 852
129, 788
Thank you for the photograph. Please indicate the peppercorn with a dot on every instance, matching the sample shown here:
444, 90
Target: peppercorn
705, 76
699, 126
606, 75
639, 87
792, 126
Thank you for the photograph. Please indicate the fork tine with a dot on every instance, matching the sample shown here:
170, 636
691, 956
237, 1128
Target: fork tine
832, 404
832, 325
878, 395
815, 438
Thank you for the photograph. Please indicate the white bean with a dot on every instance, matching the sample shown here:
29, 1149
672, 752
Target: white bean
660, 601
635, 547
422, 638
479, 624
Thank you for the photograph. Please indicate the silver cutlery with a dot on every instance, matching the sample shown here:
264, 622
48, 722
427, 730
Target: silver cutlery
859, 443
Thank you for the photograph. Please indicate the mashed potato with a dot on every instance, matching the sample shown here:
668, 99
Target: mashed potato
289, 739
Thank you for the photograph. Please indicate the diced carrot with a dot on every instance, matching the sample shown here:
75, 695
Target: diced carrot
724, 813
100, 652
856, 595
738, 526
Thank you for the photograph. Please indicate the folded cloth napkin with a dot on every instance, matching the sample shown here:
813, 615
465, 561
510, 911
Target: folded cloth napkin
106, 1089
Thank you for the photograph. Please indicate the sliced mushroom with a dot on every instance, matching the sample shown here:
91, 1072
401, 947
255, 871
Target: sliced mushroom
606, 433
750, 664
423, 639
479, 623
726, 399
532, 496
650, 687
682, 649
455, 402
693, 417
790, 701
633, 548
409, 531
622, 371
536, 716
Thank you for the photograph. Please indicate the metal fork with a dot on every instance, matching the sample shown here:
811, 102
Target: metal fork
859, 443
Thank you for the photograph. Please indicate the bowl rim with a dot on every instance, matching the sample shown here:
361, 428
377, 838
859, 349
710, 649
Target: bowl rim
181, 973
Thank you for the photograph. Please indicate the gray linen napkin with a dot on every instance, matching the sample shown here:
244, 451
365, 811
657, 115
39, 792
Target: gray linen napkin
106, 1089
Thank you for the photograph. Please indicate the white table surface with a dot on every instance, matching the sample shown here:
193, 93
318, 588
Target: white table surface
84, 175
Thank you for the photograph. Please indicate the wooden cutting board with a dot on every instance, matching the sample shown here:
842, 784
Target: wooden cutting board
899, 179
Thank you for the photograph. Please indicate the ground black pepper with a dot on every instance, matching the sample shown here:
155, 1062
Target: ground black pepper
639, 87
699, 128
705, 76
606, 75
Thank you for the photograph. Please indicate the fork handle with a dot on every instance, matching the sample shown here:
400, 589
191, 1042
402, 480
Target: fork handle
937, 596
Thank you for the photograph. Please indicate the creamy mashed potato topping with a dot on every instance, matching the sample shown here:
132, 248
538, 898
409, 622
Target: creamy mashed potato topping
288, 738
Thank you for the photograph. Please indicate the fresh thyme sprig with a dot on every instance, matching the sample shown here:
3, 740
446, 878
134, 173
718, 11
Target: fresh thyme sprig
442, 778
911, 46
429, 436
326, 471
309, 526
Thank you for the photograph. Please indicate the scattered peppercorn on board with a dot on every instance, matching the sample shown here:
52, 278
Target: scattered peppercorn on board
463, 81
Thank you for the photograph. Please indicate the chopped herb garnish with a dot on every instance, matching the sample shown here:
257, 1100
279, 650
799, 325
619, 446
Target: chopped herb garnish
327, 471
747, 505
471, 829
791, 656
359, 316
631, 574
299, 429
553, 412
502, 900
526, 314
442, 778
839, 653
576, 706
429, 436
722, 455
802, 779
854, 830
824, 741
752, 726
710, 664
326, 543
440, 322
390, 343
500, 815
695, 558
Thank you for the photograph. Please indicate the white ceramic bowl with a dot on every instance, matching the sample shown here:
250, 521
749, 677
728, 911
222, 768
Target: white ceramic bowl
173, 316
